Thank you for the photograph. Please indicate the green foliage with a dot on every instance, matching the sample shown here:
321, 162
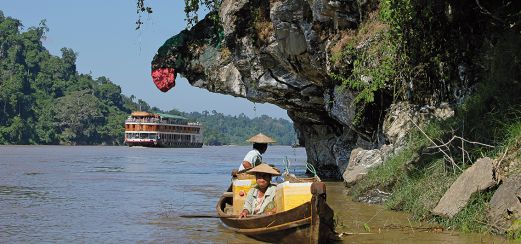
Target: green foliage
472, 218
419, 190
394, 172
514, 232
15, 131
112, 132
496, 103
418, 182
431, 40
372, 68
43, 100
45, 129
367, 65
192, 8
75, 113
440, 51
220, 129
427, 37
366, 227
397, 13
418, 177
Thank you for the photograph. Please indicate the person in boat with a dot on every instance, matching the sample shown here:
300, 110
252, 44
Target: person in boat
254, 157
261, 198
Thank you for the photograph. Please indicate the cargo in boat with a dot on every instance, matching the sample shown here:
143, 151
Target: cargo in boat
310, 221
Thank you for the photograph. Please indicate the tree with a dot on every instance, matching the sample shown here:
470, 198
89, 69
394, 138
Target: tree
112, 132
69, 61
46, 130
78, 114
14, 133
220, 129
44, 100
109, 92
143, 106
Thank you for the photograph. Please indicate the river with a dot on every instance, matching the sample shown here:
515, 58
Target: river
102, 194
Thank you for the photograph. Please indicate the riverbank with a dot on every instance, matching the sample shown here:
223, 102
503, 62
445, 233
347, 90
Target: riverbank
431, 162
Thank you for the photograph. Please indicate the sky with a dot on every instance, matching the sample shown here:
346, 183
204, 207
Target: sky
103, 35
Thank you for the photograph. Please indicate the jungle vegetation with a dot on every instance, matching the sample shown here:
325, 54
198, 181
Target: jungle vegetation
220, 129
44, 100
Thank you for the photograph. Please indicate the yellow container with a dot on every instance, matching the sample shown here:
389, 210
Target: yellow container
245, 176
291, 195
240, 189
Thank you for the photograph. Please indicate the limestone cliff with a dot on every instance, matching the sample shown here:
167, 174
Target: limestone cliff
292, 53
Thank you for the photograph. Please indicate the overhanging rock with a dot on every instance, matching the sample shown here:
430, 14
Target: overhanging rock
276, 52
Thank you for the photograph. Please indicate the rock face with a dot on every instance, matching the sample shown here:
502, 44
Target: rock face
363, 160
505, 205
277, 52
397, 124
282, 52
478, 177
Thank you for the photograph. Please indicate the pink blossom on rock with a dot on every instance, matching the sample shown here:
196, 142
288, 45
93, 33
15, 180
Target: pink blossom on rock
164, 78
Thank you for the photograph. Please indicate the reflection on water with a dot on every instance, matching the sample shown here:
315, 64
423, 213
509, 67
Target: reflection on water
108, 169
19, 192
120, 195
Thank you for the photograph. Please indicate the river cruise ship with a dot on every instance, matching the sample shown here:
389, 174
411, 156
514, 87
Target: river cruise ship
161, 130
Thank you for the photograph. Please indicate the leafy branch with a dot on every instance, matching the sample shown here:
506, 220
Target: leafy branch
192, 8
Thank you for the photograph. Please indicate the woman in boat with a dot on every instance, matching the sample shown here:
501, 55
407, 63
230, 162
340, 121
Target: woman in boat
260, 199
254, 157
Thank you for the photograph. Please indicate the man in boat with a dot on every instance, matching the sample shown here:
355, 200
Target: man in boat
260, 199
254, 157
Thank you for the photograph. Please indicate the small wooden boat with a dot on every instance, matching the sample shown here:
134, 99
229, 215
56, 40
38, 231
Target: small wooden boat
311, 222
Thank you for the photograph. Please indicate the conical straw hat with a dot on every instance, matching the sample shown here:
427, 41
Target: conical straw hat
261, 138
263, 168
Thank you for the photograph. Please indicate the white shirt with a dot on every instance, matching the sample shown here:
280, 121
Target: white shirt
254, 157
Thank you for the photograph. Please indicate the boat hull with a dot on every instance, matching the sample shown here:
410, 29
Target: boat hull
311, 222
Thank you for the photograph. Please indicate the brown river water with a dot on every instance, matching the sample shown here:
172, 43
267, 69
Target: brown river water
96, 194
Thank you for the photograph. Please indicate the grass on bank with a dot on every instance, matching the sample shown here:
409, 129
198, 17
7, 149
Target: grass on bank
418, 177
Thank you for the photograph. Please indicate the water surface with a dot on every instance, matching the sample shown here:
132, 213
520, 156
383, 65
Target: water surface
60, 194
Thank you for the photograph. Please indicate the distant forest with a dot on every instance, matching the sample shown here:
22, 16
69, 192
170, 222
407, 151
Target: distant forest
44, 100
220, 129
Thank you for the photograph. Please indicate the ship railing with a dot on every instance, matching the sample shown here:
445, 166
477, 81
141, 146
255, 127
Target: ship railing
155, 120
144, 120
